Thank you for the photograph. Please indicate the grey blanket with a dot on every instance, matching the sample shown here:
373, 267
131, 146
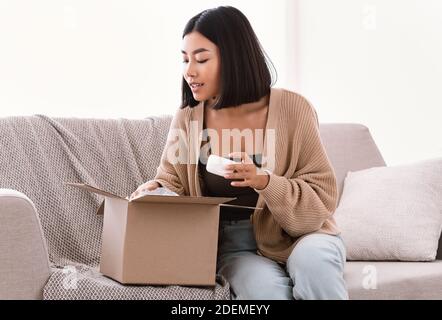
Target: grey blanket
81, 282
40, 153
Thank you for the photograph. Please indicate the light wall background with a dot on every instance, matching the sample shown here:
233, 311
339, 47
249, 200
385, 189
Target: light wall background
379, 63
372, 62
110, 58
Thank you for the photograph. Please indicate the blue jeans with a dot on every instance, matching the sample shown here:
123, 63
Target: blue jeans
314, 269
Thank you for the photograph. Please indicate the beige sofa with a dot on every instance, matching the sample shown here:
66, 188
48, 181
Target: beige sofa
46, 227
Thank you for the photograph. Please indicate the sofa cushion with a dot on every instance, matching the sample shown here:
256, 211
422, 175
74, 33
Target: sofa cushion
392, 213
349, 147
394, 280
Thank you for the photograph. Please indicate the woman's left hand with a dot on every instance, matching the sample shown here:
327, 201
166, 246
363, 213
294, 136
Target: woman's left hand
253, 176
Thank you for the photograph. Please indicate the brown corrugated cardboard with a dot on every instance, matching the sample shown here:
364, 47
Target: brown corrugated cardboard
159, 240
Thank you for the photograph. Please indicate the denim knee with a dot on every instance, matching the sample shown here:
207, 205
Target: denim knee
253, 277
316, 267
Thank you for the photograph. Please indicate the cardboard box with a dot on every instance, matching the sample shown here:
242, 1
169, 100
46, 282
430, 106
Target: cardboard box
159, 240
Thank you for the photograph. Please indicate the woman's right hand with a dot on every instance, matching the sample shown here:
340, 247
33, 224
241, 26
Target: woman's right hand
148, 186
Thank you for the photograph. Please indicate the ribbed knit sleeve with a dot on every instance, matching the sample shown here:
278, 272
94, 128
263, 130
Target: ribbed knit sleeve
303, 202
171, 175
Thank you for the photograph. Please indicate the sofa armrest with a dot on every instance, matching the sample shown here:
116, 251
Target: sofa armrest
24, 262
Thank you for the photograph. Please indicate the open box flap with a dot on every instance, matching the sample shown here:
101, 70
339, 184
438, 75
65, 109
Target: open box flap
238, 206
159, 199
192, 200
182, 199
87, 187
100, 210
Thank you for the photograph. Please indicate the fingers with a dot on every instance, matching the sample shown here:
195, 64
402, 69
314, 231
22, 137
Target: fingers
152, 186
148, 186
240, 167
238, 175
246, 164
245, 177
242, 171
134, 195
245, 183
243, 156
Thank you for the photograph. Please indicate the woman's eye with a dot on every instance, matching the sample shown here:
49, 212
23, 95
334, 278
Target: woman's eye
204, 61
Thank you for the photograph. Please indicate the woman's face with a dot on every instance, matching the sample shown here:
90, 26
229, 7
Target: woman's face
201, 65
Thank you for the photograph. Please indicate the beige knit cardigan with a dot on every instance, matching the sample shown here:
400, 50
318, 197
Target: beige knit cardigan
301, 195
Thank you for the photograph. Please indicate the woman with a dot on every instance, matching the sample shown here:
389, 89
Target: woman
290, 248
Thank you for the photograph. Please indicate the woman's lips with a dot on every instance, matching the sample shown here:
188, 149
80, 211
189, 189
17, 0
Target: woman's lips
196, 88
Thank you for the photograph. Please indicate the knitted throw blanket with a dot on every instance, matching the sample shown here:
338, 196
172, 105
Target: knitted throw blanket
40, 153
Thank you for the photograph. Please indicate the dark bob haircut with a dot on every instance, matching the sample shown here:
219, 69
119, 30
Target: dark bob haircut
245, 67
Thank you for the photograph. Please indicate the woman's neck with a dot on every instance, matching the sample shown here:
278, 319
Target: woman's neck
242, 109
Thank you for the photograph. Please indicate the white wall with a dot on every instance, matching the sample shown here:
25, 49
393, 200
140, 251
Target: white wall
377, 63
110, 59
373, 62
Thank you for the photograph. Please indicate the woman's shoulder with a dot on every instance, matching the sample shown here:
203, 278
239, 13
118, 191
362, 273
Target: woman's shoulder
186, 112
294, 103
181, 117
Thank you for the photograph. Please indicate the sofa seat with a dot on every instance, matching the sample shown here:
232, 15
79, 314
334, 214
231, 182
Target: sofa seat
395, 280
43, 222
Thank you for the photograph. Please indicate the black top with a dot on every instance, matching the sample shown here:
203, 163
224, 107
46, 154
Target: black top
217, 186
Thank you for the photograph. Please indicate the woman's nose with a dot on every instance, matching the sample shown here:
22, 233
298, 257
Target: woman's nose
190, 71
